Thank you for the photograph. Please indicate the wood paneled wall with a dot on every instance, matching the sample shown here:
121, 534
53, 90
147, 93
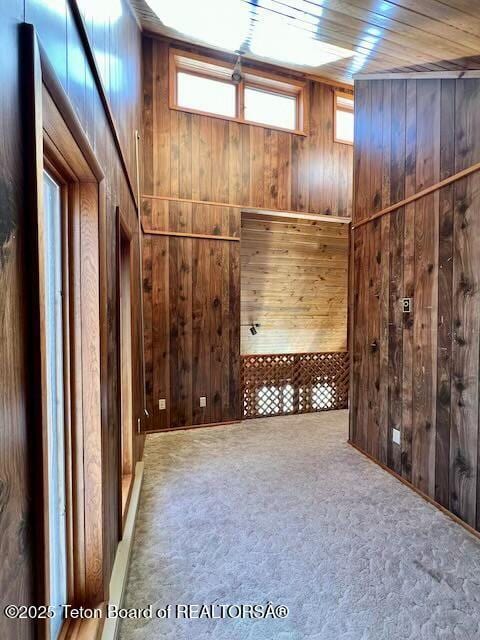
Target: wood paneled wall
204, 158
294, 284
418, 372
192, 315
115, 40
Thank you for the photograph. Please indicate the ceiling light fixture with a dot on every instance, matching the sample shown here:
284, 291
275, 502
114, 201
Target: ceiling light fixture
237, 70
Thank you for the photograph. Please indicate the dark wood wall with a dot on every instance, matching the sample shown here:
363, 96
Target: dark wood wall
418, 372
115, 40
192, 315
204, 158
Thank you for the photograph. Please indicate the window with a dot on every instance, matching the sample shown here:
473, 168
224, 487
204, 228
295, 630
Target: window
266, 107
56, 447
202, 85
344, 117
205, 94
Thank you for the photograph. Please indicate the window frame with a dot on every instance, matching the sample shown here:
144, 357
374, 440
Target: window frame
336, 107
253, 78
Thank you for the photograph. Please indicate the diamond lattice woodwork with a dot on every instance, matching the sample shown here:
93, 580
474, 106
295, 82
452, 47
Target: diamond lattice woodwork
282, 384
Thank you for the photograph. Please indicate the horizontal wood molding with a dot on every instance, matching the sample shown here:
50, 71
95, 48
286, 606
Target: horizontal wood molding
193, 426
199, 236
300, 215
421, 194
420, 75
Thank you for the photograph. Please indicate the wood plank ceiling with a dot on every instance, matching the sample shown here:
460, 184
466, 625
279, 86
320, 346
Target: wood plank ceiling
418, 35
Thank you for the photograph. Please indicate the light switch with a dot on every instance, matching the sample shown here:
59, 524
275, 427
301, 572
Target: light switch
161, 404
396, 436
203, 401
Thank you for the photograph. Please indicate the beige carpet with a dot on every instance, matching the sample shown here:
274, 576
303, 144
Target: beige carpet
284, 510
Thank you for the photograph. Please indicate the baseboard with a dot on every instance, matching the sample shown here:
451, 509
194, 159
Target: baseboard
122, 558
423, 495
191, 426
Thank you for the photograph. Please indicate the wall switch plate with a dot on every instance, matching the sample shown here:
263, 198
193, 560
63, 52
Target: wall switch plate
407, 305
203, 401
162, 404
396, 436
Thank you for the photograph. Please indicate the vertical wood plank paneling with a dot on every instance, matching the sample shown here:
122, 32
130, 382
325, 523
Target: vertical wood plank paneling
385, 275
409, 279
200, 335
160, 139
234, 391
466, 309
245, 164
426, 278
375, 259
195, 300
180, 314
215, 329
445, 266
147, 322
161, 330
396, 399
434, 255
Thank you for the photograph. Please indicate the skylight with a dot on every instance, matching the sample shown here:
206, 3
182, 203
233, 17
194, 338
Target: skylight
279, 30
221, 23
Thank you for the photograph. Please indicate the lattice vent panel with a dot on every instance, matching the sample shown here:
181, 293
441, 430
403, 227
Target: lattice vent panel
280, 384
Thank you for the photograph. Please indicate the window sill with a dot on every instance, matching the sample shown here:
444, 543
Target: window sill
297, 132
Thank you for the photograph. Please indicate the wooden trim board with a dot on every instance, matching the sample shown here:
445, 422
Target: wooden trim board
118, 580
433, 502
420, 75
299, 215
421, 194
192, 426
198, 236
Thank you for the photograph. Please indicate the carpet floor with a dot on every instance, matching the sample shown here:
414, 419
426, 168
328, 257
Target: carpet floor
283, 510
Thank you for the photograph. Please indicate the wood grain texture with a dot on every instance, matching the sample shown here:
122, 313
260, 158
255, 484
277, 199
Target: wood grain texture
192, 333
17, 581
116, 44
294, 284
201, 157
423, 35
430, 132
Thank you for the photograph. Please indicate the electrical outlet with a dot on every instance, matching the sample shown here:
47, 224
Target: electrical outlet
396, 436
161, 404
203, 401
